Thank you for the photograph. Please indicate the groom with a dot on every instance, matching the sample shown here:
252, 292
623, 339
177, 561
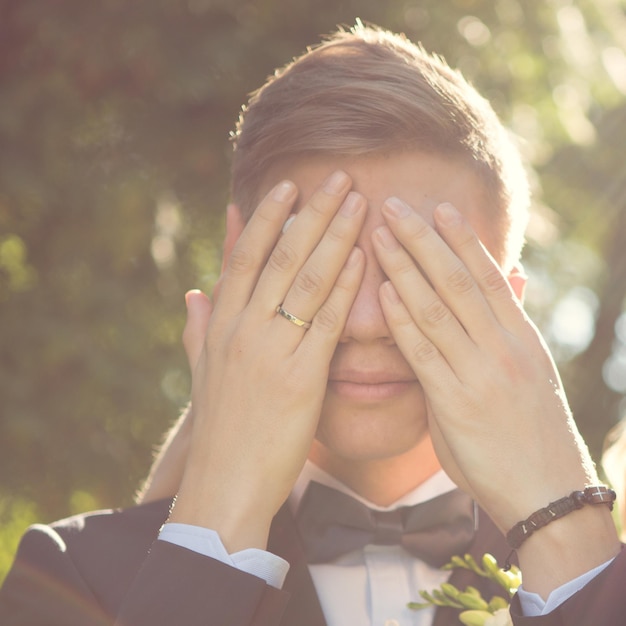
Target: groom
367, 341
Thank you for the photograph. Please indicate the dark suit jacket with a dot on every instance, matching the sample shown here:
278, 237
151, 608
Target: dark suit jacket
106, 568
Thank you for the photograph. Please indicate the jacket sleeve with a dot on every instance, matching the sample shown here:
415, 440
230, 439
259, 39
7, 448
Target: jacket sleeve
179, 586
49, 585
601, 602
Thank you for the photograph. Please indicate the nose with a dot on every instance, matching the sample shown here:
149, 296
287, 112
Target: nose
366, 322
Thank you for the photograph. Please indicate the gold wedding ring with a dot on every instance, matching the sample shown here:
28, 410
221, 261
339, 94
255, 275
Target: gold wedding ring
292, 318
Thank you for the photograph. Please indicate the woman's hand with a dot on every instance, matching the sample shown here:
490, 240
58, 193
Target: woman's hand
498, 415
260, 380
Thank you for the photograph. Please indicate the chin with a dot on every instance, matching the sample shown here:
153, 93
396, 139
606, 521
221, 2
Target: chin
362, 437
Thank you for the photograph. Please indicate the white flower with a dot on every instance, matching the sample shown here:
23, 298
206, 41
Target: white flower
501, 617
477, 611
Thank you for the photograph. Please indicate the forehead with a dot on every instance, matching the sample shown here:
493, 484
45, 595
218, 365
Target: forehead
423, 180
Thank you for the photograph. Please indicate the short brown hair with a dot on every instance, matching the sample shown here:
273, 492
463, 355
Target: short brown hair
366, 91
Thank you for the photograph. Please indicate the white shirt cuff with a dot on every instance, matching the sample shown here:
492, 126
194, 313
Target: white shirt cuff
271, 568
533, 604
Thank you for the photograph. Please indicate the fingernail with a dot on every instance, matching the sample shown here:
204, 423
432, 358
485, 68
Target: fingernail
283, 191
190, 294
351, 204
353, 257
447, 214
397, 207
288, 222
336, 182
386, 238
389, 291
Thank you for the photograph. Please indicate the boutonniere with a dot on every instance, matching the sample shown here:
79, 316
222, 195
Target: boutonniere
476, 610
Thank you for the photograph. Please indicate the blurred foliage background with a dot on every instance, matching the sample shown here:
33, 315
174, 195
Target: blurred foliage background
114, 154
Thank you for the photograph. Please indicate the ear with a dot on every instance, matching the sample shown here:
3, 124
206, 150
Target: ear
517, 279
235, 224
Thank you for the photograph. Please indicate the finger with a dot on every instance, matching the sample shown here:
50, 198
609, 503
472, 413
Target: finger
330, 320
496, 290
452, 279
199, 309
313, 283
253, 248
431, 368
304, 234
425, 308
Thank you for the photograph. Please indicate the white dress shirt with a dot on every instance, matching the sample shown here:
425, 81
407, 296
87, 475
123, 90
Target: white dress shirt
369, 586
373, 585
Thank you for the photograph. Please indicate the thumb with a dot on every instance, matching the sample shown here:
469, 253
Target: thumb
199, 310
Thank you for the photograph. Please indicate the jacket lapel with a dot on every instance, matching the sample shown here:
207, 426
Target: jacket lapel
303, 607
488, 539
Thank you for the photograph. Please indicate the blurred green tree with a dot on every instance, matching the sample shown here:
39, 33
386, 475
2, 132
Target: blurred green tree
114, 123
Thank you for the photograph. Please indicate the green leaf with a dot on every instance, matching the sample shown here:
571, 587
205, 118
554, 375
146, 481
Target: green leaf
469, 559
474, 618
473, 591
496, 603
472, 601
450, 590
489, 563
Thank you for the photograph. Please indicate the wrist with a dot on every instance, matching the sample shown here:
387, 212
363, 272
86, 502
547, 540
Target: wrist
241, 522
567, 548
593, 495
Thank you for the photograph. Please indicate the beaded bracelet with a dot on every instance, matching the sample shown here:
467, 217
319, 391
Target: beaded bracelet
559, 508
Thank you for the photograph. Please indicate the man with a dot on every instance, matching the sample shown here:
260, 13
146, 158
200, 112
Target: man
364, 337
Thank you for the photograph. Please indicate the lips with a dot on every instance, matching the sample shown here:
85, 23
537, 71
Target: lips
370, 385
369, 378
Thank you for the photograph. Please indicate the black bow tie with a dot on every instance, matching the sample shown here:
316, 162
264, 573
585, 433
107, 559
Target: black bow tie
332, 523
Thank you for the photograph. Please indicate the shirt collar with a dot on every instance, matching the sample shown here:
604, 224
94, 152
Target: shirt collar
437, 484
